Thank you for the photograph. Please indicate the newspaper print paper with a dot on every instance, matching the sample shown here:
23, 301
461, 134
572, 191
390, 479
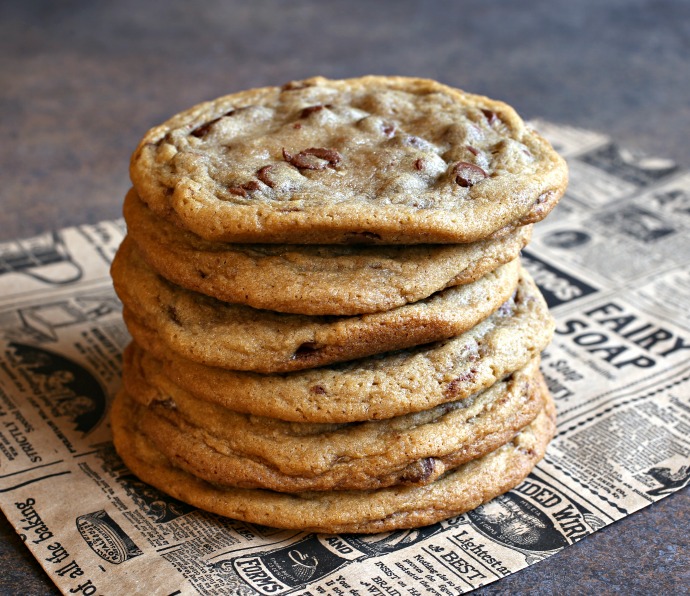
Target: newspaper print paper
612, 261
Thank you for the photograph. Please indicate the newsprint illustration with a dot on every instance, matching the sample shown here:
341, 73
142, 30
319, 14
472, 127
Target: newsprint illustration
613, 262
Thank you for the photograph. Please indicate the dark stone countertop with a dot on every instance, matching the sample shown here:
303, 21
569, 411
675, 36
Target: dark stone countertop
81, 81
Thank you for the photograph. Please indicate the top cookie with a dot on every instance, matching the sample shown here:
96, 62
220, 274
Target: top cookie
387, 160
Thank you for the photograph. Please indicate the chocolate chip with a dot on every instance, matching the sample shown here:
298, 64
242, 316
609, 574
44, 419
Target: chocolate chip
318, 390
310, 110
241, 191
203, 130
389, 130
306, 349
419, 164
313, 109
452, 389
314, 158
467, 174
173, 316
419, 471
263, 175
237, 190
491, 116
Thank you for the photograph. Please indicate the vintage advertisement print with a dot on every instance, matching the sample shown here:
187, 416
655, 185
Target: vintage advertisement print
618, 369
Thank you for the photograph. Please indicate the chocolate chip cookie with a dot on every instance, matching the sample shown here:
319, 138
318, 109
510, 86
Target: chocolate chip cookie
388, 160
371, 388
379, 510
242, 450
313, 279
239, 337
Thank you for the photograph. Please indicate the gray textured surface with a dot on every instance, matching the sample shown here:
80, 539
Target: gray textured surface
81, 81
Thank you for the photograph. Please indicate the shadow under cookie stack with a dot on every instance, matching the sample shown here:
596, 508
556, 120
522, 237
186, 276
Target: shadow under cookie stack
331, 328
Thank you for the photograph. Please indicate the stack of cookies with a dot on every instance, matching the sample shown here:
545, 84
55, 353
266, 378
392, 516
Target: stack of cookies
331, 328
